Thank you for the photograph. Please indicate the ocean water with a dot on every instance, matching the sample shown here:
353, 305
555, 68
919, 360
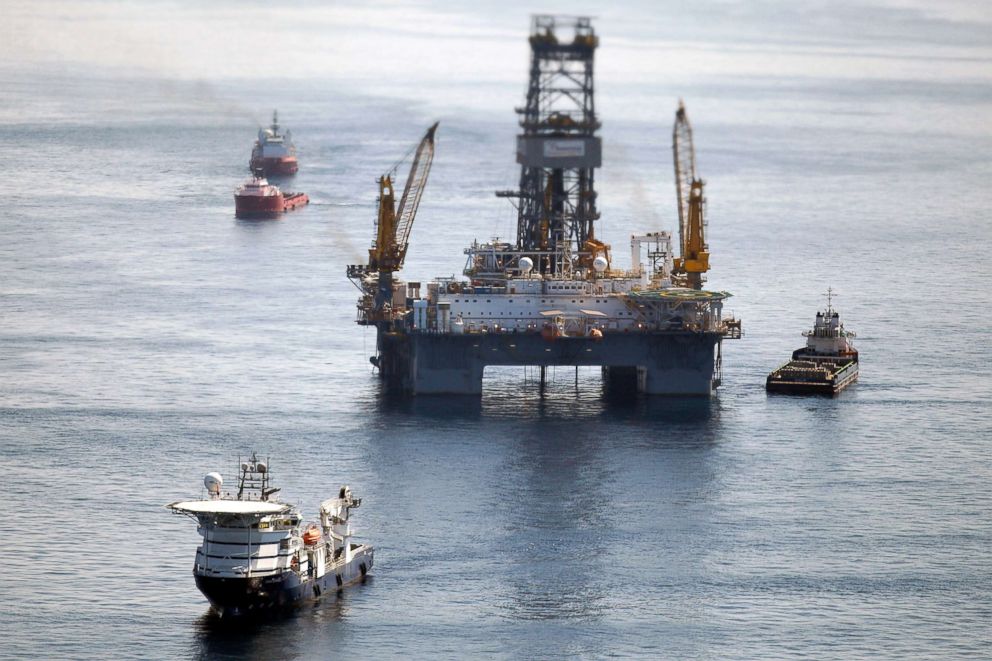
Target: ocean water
148, 337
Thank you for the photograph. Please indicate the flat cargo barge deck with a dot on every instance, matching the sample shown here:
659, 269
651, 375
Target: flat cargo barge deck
808, 376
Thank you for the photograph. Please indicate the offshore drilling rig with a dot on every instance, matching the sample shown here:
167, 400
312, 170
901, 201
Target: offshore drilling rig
554, 297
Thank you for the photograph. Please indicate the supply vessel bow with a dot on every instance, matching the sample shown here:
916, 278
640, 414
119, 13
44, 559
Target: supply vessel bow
256, 556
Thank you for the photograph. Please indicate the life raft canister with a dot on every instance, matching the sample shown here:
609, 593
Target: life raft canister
311, 535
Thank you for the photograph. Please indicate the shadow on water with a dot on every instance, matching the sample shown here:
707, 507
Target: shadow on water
257, 223
436, 407
533, 403
560, 479
285, 635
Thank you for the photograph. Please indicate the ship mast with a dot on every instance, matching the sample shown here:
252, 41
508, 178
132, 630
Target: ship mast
558, 150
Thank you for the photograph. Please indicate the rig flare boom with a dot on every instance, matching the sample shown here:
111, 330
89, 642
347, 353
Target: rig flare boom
694, 259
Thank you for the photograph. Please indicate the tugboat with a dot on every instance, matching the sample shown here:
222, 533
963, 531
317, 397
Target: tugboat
256, 557
273, 153
258, 198
827, 364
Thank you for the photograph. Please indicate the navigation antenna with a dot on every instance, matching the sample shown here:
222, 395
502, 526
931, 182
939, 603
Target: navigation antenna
830, 297
254, 478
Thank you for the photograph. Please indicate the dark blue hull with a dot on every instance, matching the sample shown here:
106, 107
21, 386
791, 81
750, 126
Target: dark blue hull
232, 597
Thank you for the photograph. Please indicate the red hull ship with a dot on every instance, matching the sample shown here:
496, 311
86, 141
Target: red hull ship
274, 153
258, 198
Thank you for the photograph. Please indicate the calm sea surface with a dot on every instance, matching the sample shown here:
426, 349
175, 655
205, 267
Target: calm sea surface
147, 337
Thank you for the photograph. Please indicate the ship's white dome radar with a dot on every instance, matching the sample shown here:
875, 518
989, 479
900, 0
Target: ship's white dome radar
213, 482
261, 467
526, 265
600, 264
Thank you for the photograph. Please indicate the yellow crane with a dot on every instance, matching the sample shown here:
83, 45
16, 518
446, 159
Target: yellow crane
694, 256
393, 223
392, 237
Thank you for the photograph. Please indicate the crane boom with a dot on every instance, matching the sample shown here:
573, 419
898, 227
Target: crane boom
414, 189
394, 224
694, 258
392, 236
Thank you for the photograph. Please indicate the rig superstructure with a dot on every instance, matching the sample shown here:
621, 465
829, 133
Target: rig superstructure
554, 296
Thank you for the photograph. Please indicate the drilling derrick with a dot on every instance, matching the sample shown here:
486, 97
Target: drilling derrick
694, 258
558, 150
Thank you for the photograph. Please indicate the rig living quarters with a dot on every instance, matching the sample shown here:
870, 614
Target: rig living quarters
553, 297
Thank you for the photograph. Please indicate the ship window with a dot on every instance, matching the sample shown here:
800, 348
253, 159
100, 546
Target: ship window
511, 300
489, 300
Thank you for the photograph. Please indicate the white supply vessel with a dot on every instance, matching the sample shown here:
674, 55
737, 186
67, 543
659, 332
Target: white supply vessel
827, 364
257, 557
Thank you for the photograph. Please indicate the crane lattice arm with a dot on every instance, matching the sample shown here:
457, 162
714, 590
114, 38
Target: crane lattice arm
394, 224
378, 304
694, 259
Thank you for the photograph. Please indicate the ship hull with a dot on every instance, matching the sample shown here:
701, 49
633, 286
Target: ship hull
677, 364
254, 206
275, 166
235, 597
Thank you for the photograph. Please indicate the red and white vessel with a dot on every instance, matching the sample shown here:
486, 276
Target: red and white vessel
257, 197
274, 153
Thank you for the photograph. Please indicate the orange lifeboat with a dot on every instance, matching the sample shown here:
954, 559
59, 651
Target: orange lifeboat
311, 535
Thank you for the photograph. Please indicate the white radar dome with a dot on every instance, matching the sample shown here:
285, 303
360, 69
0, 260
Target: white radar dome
526, 265
600, 264
261, 467
213, 482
